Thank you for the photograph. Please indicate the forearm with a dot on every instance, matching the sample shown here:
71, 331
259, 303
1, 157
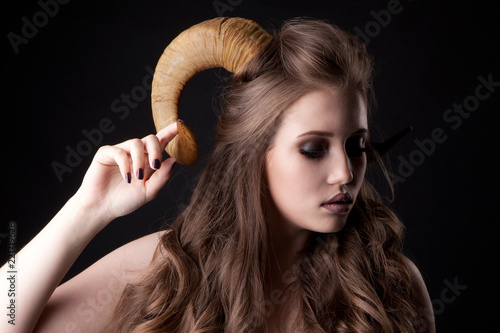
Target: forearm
107, 191
41, 264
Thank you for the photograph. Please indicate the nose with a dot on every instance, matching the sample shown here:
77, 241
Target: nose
340, 169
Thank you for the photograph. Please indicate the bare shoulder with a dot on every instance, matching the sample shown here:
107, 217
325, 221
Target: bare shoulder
424, 306
85, 303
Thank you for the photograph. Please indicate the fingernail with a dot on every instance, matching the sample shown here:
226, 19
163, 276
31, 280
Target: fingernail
129, 177
140, 173
156, 164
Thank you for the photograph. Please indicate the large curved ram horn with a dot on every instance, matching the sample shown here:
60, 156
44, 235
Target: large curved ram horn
221, 42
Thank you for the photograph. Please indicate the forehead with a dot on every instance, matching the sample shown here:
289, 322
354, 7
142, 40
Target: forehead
329, 110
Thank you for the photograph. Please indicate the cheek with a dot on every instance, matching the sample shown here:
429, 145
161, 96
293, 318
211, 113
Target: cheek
359, 168
359, 171
290, 181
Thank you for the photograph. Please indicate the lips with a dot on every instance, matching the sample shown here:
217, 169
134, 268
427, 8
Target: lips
339, 204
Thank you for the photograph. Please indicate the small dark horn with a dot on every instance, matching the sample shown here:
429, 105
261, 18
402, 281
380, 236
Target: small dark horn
380, 149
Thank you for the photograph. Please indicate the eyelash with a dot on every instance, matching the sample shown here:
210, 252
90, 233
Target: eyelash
318, 153
358, 150
313, 154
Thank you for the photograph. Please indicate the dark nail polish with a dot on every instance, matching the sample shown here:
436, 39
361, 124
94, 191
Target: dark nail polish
129, 177
140, 173
156, 164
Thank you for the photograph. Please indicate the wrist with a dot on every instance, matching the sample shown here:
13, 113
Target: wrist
86, 220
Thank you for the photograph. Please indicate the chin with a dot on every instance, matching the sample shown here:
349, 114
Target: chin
333, 226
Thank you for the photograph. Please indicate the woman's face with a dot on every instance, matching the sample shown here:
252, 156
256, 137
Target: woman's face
317, 163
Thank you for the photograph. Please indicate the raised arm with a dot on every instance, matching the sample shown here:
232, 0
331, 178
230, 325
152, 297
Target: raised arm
120, 179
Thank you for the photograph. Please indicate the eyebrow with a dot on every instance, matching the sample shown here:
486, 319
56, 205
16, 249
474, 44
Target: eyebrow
319, 133
330, 134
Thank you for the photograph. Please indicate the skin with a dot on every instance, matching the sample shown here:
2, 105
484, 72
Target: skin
316, 154
85, 303
333, 126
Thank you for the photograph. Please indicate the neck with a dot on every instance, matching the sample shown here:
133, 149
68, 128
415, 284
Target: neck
285, 245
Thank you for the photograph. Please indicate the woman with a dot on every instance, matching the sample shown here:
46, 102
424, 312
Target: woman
283, 232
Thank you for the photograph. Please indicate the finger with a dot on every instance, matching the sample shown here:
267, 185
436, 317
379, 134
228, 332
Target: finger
112, 155
153, 150
159, 178
137, 152
166, 134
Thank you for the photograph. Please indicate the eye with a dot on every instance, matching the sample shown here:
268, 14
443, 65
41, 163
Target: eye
313, 153
314, 150
355, 147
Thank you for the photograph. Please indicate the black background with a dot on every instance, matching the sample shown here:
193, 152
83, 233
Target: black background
65, 78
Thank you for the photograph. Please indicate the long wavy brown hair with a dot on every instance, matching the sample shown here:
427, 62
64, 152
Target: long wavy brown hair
208, 273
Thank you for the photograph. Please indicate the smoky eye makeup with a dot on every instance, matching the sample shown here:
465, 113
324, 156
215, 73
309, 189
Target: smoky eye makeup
313, 149
355, 146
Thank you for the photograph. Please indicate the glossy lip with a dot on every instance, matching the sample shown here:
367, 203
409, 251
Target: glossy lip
339, 204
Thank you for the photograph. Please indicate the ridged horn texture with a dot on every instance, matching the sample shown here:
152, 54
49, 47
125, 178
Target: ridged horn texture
221, 42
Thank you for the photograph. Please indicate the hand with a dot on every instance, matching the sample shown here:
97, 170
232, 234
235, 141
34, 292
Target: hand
124, 177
